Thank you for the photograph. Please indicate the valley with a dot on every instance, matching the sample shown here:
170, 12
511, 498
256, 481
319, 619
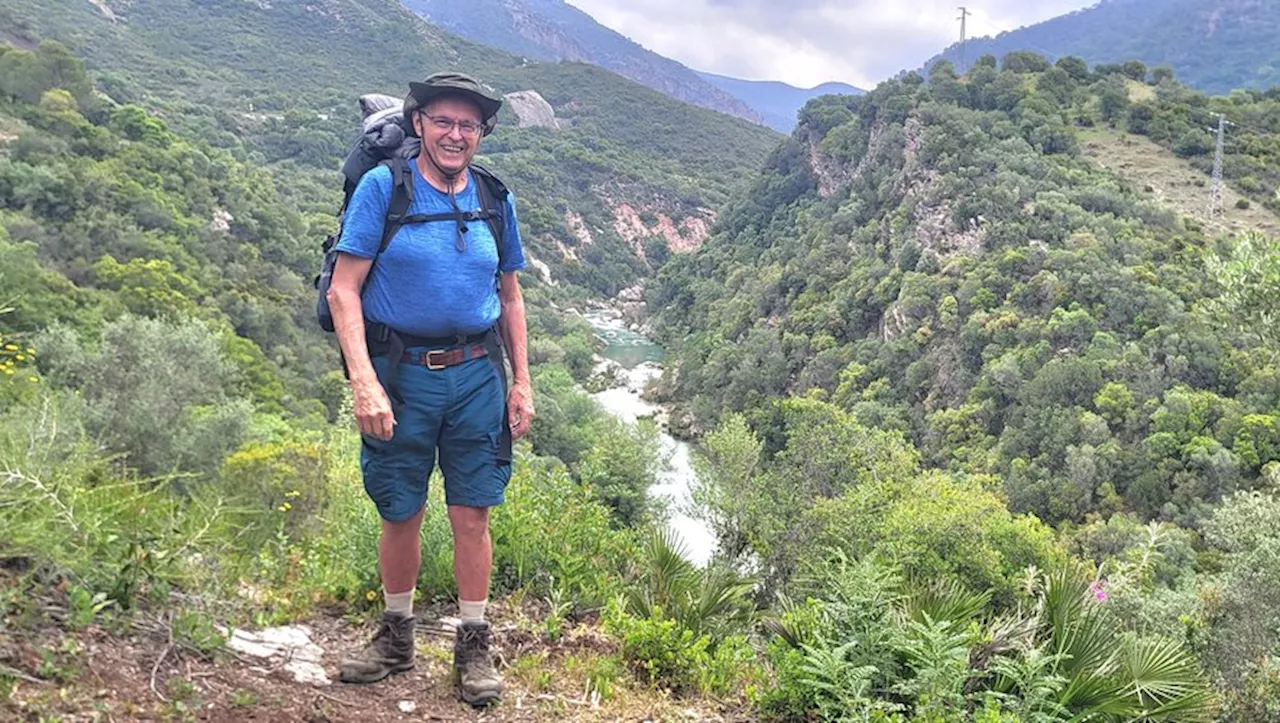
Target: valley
949, 402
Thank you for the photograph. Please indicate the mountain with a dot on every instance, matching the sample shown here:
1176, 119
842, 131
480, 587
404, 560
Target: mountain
623, 176
555, 30
942, 259
777, 102
1213, 45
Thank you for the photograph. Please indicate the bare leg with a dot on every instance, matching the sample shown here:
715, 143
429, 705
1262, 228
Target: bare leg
400, 553
472, 551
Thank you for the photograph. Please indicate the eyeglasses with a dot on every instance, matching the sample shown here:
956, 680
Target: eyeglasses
469, 128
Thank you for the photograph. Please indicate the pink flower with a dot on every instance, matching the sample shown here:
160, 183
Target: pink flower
1096, 588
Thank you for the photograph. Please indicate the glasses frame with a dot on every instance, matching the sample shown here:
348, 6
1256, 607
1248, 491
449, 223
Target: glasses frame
465, 127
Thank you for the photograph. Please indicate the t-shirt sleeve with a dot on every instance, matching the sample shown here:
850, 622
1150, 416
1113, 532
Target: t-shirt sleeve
365, 215
513, 251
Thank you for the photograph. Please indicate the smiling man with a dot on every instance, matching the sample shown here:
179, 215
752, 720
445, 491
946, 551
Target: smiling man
445, 289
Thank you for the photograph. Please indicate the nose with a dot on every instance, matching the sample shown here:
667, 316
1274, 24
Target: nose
455, 133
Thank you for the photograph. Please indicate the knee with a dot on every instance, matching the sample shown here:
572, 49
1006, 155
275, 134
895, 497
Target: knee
469, 523
403, 528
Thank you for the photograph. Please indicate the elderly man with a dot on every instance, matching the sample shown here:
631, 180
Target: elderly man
446, 289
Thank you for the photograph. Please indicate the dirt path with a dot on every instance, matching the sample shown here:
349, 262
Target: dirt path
94, 675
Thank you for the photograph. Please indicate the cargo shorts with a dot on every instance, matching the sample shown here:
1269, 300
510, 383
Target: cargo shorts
456, 414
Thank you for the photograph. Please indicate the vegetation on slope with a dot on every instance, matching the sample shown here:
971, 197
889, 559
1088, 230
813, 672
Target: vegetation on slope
936, 262
1216, 46
204, 69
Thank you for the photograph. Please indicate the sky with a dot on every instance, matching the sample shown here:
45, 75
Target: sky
860, 42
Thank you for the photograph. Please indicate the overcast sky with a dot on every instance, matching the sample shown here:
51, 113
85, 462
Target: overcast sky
861, 42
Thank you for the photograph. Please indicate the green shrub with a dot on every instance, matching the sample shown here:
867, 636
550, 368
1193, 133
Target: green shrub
663, 653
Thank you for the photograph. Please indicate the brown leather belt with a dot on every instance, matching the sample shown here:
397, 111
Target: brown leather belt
441, 358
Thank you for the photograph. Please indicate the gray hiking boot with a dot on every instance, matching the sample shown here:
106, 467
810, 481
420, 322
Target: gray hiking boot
390, 651
473, 671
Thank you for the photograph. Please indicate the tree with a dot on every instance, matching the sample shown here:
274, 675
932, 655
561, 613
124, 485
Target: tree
1249, 278
1074, 67
1114, 98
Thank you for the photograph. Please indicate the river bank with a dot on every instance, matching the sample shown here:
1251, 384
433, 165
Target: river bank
633, 361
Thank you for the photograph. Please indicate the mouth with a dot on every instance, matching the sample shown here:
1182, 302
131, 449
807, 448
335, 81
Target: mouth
452, 150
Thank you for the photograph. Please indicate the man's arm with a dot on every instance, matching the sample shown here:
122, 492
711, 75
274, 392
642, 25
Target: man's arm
372, 406
512, 326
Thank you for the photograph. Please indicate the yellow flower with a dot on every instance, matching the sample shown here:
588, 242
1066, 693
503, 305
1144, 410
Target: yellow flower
20, 357
33, 380
371, 596
11, 347
281, 508
32, 352
8, 371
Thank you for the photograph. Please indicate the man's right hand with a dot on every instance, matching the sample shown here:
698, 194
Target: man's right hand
373, 410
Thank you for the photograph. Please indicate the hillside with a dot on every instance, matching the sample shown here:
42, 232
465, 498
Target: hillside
977, 266
1215, 46
592, 202
554, 30
777, 102
929, 315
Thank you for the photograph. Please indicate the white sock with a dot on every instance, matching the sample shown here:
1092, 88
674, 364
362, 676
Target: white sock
471, 612
399, 603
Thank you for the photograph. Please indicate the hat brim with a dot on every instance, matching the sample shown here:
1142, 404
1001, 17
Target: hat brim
424, 94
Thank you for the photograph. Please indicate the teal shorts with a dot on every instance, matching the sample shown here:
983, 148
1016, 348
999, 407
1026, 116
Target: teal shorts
457, 413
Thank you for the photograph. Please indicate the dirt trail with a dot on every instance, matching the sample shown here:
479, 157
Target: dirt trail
95, 675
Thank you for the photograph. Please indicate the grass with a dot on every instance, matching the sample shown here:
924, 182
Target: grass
1163, 177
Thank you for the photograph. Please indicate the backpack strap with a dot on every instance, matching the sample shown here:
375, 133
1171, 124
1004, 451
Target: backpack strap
401, 200
493, 205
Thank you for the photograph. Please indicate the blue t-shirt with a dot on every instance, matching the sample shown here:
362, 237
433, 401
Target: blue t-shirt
422, 284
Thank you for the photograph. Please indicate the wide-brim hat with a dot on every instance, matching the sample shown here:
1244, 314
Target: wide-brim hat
455, 84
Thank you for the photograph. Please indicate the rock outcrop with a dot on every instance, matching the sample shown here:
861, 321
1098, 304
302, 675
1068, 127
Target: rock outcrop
532, 110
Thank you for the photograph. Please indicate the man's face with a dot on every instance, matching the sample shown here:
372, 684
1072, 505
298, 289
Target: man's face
450, 132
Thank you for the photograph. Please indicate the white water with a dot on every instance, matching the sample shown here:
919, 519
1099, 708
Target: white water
676, 477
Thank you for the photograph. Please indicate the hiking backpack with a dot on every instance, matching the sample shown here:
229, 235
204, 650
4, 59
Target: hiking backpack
385, 141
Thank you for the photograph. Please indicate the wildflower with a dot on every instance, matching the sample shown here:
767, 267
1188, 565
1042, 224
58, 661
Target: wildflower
32, 352
33, 380
9, 371
285, 507
1096, 588
371, 595
10, 347
20, 358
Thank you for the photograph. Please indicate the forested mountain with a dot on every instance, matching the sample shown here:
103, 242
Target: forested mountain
625, 176
939, 259
777, 102
936, 267
1215, 46
555, 30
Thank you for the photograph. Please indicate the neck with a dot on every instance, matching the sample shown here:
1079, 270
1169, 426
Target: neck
437, 178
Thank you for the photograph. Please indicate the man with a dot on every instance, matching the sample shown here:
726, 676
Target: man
434, 287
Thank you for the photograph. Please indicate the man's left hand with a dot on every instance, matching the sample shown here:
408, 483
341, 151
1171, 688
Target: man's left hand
520, 409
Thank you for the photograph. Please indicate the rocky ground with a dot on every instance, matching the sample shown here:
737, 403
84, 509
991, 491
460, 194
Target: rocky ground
137, 671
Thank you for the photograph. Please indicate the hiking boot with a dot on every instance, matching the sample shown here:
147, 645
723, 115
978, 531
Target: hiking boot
390, 651
473, 671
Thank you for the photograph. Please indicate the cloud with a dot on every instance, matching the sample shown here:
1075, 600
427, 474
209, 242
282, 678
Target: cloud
810, 41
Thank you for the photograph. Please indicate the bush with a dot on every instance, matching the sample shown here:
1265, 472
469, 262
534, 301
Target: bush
1242, 204
664, 653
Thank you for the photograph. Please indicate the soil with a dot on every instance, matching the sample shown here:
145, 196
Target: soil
48, 672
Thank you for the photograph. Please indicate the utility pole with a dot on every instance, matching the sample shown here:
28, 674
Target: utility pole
1215, 191
964, 14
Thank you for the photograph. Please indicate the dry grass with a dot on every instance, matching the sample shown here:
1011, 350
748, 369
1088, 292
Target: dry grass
1160, 175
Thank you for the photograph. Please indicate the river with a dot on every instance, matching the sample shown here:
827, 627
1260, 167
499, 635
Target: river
640, 359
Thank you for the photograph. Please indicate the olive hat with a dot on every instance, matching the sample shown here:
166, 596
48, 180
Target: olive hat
456, 84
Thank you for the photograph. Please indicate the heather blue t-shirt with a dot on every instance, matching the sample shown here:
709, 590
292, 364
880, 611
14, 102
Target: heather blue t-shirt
421, 284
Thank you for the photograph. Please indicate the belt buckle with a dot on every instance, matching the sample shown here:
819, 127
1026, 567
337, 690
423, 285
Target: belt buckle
432, 365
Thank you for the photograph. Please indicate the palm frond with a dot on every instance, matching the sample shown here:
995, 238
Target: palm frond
943, 600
